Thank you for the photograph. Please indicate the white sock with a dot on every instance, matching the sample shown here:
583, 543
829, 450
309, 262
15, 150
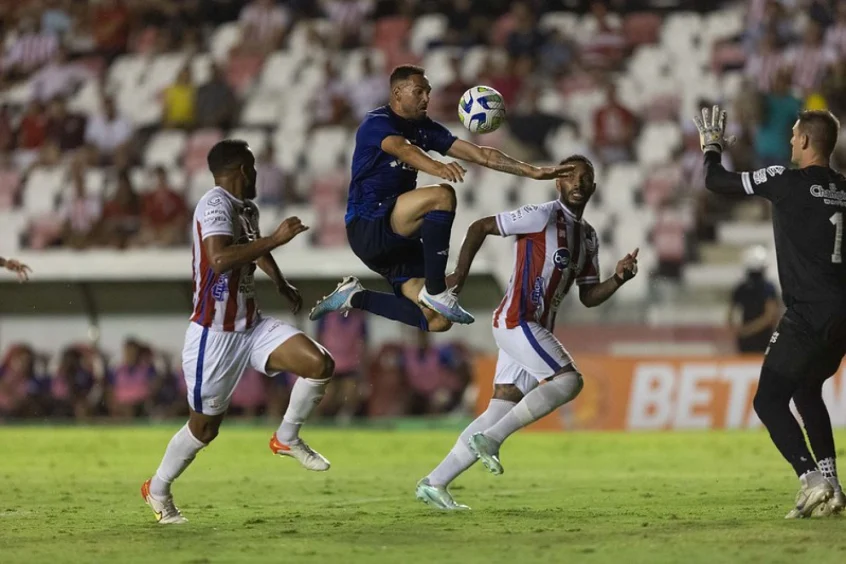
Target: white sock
305, 395
180, 452
828, 467
460, 458
536, 404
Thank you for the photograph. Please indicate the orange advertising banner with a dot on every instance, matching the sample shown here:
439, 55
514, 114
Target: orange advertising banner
662, 393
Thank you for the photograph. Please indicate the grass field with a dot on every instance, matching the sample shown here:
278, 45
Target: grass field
71, 495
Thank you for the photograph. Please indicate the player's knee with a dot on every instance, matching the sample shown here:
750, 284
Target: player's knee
439, 324
444, 198
507, 392
322, 366
204, 431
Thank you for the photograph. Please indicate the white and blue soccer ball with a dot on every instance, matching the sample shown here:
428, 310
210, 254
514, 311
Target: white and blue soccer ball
481, 109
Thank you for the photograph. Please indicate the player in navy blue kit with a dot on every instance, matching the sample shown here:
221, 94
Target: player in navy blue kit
809, 203
402, 232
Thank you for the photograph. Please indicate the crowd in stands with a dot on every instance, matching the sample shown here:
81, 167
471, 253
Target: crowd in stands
84, 383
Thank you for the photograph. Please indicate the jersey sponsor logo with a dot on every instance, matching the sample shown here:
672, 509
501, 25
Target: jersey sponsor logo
561, 258
215, 201
220, 287
831, 196
215, 215
538, 291
247, 286
517, 215
405, 166
775, 170
760, 176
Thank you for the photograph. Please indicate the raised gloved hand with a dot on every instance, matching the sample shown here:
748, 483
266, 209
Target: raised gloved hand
712, 130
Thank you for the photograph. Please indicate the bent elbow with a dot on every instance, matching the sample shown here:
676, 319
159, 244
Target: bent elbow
218, 265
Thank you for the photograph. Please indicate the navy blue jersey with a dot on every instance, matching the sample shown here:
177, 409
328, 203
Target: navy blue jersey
379, 177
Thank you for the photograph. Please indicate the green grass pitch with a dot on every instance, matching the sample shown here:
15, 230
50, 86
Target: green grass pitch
72, 495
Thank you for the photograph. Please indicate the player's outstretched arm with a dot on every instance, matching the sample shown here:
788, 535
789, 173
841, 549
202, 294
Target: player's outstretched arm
22, 270
712, 140
476, 235
224, 255
495, 159
416, 157
268, 264
592, 295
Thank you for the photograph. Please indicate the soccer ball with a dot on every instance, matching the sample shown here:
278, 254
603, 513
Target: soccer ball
481, 109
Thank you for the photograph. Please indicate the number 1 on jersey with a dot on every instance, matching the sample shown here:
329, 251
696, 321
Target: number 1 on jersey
837, 220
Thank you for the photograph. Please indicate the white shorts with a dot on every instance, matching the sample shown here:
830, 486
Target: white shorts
213, 361
528, 354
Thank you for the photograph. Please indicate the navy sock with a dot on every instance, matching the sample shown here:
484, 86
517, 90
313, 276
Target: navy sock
397, 308
437, 226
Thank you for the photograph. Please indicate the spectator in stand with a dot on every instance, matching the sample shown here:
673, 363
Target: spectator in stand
834, 88
437, 376
468, 22
525, 39
263, 25
72, 386
249, 397
506, 76
169, 391
777, 115
81, 213
274, 186
556, 54
109, 136
606, 47
615, 129
389, 391
835, 35
763, 65
32, 133
32, 48
369, 91
58, 77
348, 18
110, 26
331, 103
23, 390
529, 127
180, 101
809, 59
121, 225
7, 132
345, 336
130, 390
765, 16
65, 130
756, 301
443, 105
164, 215
55, 19
217, 105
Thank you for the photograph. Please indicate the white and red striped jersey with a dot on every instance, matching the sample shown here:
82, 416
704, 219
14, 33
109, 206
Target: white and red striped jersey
226, 301
554, 248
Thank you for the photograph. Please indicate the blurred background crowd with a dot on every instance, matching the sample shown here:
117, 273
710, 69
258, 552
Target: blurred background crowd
108, 107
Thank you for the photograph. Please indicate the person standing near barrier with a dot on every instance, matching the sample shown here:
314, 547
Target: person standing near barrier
756, 298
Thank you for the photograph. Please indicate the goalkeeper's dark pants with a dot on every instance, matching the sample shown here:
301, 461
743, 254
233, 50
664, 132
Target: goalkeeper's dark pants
801, 357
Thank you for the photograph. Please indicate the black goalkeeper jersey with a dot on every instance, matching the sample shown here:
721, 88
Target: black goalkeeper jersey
809, 206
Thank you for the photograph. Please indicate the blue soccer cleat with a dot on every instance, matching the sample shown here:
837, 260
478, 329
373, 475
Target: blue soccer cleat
446, 304
339, 300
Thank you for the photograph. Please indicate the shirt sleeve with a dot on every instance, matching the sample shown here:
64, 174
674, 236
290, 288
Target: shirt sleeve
440, 138
771, 183
528, 219
374, 130
590, 271
217, 217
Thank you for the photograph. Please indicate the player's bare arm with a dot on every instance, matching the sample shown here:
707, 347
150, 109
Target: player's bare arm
268, 264
476, 235
224, 255
22, 270
592, 295
416, 157
495, 159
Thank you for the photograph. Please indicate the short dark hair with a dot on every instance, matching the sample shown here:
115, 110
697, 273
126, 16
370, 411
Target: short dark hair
404, 72
822, 128
579, 159
228, 154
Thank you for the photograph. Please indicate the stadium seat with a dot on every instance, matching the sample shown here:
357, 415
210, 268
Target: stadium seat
163, 70
262, 108
353, 66
42, 188
11, 227
298, 42
197, 148
531, 191
622, 182
309, 217
256, 138
563, 21
201, 68
329, 190
223, 39
279, 71
201, 182
641, 28
473, 59
86, 100
95, 182
325, 147
657, 142
10, 180
126, 71
389, 32
165, 148
425, 30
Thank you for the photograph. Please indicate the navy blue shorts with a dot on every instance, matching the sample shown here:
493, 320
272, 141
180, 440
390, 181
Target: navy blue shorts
394, 257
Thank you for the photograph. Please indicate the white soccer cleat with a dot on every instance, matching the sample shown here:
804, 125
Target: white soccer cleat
446, 304
487, 450
815, 491
833, 506
339, 300
299, 450
165, 511
437, 497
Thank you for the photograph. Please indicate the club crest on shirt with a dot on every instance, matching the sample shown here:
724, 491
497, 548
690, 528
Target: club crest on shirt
561, 258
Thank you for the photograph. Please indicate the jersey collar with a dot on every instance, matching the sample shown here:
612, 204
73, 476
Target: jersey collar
568, 211
229, 195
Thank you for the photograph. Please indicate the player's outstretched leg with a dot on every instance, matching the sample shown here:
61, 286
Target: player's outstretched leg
541, 401
811, 407
181, 451
302, 356
433, 489
772, 404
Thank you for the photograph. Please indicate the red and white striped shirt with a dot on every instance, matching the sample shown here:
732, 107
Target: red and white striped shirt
30, 51
226, 301
763, 67
263, 22
835, 38
553, 249
809, 63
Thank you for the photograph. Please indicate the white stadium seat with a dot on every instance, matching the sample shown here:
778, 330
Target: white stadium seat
426, 29
165, 148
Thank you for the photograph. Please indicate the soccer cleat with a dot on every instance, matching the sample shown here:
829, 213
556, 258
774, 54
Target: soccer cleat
309, 458
339, 300
437, 496
833, 506
164, 509
815, 491
488, 452
446, 304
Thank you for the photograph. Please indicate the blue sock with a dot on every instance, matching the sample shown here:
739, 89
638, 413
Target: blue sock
386, 305
437, 226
